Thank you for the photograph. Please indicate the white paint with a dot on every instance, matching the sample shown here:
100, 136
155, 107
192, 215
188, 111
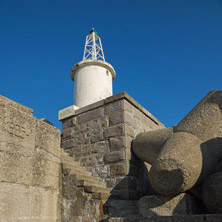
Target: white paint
92, 81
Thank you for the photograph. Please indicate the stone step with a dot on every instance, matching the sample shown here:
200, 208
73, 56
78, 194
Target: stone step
71, 162
67, 169
93, 189
121, 208
104, 196
93, 180
73, 166
101, 195
65, 158
90, 183
64, 154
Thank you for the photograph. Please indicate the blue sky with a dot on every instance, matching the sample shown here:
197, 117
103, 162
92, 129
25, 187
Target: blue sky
167, 53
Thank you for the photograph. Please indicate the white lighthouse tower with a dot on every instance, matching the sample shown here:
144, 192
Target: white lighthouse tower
92, 76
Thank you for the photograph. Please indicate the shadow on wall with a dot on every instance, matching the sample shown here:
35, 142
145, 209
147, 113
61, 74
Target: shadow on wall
125, 195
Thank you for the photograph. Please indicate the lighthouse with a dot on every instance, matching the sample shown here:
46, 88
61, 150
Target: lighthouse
93, 76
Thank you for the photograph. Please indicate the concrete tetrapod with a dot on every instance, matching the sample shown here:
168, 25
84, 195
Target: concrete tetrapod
205, 119
178, 165
147, 145
205, 122
188, 156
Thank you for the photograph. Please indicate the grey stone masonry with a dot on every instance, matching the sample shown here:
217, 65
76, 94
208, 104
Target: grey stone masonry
100, 135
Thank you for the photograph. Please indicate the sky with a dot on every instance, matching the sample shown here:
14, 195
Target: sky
167, 54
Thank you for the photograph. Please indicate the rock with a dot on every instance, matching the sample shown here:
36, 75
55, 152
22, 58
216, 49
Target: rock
211, 193
147, 145
178, 166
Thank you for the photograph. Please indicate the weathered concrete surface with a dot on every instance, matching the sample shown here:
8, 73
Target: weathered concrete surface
191, 154
29, 165
211, 155
183, 204
204, 121
77, 203
178, 166
147, 145
212, 193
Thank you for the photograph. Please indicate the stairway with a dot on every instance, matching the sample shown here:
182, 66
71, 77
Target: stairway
109, 205
83, 178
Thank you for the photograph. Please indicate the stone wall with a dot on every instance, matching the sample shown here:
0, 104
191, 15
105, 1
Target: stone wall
29, 165
100, 136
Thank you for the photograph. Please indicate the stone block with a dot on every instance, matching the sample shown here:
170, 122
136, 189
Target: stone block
137, 113
129, 141
110, 182
70, 122
67, 144
122, 117
114, 156
129, 131
89, 107
67, 133
97, 137
67, 112
130, 120
102, 171
113, 107
100, 147
114, 131
90, 115
116, 143
116, 118
118, 169
128, 106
